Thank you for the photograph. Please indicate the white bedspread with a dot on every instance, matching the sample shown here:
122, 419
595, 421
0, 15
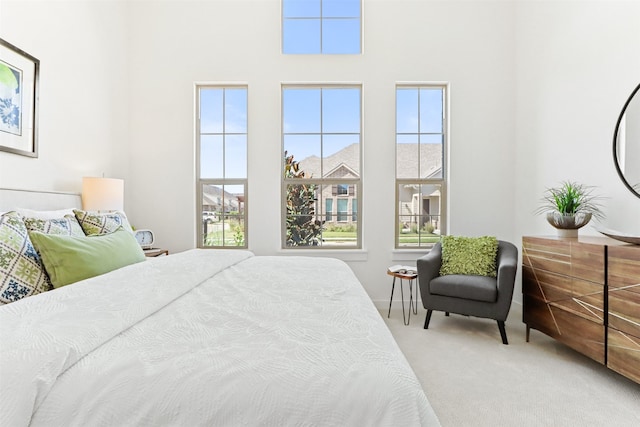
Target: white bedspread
207, 338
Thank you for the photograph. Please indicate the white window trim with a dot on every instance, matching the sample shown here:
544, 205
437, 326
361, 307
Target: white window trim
199, 182
399, 253
358, 183
282, 19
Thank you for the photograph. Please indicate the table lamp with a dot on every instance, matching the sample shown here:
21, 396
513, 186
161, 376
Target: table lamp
102, 194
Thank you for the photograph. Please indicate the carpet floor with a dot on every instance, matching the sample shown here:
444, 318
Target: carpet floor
472, 379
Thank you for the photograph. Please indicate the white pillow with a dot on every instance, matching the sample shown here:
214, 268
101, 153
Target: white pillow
30, 213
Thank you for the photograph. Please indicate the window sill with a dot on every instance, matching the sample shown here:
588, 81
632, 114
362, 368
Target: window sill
408, 254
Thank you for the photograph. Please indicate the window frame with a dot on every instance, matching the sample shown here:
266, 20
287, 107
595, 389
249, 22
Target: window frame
201, 182
321, 18
323, 182
441, 181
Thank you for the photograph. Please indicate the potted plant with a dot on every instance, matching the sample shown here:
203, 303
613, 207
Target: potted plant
570, 207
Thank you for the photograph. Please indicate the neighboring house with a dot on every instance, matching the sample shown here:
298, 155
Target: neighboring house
419, 204
214, 200
337, 203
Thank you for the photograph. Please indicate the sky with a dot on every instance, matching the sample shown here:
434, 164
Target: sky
314, 26
315, 122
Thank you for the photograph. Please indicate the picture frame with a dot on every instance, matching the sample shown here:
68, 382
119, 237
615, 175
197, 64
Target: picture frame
19, 74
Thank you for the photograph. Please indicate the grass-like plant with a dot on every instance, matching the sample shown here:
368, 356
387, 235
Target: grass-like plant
570, 199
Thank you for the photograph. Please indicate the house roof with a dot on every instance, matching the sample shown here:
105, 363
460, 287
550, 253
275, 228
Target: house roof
212, 195
407, 154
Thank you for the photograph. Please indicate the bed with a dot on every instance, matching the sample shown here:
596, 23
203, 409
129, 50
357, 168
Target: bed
207, 337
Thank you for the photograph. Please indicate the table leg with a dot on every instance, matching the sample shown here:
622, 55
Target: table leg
405, 319
417, 295
393, 286
414, 305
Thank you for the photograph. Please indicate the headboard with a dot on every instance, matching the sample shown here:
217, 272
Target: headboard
11, 198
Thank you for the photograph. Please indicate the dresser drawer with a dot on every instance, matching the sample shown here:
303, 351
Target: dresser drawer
565, 256
624, 289
547, 255
576, 296
624, 266
623, 354
578, 332
624, 309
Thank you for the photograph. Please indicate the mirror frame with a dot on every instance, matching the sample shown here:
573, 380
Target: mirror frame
615, 143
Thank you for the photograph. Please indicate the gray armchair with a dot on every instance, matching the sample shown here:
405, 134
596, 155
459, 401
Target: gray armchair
477, 296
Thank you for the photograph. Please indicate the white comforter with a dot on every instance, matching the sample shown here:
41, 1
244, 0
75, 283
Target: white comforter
206, 338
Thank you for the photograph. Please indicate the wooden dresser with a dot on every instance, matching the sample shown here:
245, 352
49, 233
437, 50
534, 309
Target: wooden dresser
585, 292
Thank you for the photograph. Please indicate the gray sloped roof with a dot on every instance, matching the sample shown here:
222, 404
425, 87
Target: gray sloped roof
407, 154
212, 195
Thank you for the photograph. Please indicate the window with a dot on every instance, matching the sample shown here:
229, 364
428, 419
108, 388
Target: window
221, 166
343, 212
420, 175
321, 132
321, 26
354, 209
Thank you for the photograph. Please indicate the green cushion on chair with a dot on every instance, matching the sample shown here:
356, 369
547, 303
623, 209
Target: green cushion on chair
469, 255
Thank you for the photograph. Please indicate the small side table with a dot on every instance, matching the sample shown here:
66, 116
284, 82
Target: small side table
413, 304
155, 252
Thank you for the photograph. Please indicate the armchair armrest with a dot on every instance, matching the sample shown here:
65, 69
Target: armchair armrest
429, 266
507, 262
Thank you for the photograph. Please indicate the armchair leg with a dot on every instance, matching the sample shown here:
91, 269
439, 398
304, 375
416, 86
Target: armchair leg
446, 313
503, 333
427, 319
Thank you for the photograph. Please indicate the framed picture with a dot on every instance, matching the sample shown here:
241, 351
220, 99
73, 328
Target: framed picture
18, 101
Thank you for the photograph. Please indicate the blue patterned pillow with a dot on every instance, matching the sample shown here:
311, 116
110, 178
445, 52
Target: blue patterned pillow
101, 223
21, 271
67, 226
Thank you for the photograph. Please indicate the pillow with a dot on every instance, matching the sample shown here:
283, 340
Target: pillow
67, 226
21, 271
30, 213
469, 255
96, 223
69, 259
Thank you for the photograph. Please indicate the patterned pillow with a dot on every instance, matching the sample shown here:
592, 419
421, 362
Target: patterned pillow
95, 223
469, 255
67, 226
21, 271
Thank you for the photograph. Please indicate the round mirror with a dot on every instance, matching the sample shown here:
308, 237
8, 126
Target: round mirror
626, 143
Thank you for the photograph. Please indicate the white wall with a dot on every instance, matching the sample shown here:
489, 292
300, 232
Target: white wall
536, 87
468, 44
83, 98
577, 63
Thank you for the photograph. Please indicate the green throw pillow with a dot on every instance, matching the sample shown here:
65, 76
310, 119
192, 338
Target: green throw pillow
69, 259
469, 255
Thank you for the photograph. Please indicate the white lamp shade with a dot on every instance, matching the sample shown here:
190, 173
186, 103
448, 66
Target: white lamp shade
102, 194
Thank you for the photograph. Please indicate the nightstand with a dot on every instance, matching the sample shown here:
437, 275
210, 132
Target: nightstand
155, 252
405, 274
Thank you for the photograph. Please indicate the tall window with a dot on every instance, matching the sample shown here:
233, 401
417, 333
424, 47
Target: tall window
321, 138
321, 26
221, 131
420, 175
